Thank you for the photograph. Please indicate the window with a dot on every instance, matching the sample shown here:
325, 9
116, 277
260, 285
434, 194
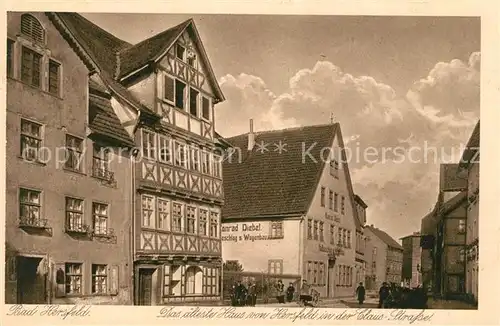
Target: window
99, 279
74, 150
344, 238
164, 149
275, 266
348, 239
203, 222
168, 89
148, 211
205, 103
321, 232
195, 159
74, 214
309, 271
32, 28
322, 196
309, 229
73, 278
277, 229
179, 51
211, 281
31, 139
191, 219
29, 206
193, 101
177, 217
205, 162
339, 240
30, 67
461, 226
163, 213
214, 224
180, 155
10, 57
166, 280
336, 202
315, 273
191, 279
321, 277
334, 168
191, 58
315, 230
148, 144
100, 212
216, 166
342, 205
332, 234
179, 94
100, 162
330, 199
54, 77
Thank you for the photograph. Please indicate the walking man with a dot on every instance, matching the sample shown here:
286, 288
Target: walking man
360, 292
383, 294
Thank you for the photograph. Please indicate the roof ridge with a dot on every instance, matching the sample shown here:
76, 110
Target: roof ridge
154, 36
286, 129
99, 27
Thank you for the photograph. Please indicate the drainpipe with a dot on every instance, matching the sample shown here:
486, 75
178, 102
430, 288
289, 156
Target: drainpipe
133, 154
301, 246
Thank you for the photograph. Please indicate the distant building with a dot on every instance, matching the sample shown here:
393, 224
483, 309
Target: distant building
469, 168
411, 269
290, 209
360, 258
386, 258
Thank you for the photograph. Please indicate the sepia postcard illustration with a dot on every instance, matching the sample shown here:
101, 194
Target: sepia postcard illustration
242, 166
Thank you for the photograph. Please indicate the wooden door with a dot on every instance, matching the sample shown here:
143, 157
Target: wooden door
145, 286
30, 283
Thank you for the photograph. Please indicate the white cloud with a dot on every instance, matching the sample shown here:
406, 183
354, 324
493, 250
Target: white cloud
439, 111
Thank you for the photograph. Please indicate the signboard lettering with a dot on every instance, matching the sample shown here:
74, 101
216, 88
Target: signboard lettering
239, 232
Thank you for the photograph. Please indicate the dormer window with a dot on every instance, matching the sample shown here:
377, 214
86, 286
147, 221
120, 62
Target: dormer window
191, 58
31, 27
180, 51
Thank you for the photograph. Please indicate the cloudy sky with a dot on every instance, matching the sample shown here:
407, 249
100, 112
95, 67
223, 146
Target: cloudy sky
410, 83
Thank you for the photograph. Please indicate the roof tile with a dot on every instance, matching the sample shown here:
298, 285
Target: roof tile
263, 182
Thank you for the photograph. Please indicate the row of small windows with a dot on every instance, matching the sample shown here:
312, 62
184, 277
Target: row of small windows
164, 214
333, 199
160, 147
70, 279
34, 68
315, 230
178, 94
31, 140
30, 213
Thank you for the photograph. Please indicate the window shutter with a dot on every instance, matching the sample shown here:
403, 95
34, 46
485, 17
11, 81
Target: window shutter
113, 279
60, 279
204, 282
183, 279
168, 88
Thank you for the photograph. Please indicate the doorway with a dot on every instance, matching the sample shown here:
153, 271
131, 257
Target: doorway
330, 278
31, 280
145, 286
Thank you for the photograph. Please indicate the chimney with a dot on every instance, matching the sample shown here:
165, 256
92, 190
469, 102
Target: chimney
251, 137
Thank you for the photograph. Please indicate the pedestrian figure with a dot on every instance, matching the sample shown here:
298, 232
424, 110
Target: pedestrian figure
305, 293
360, 292
280, 296
241, 294
290, 292
383, 295
252, 294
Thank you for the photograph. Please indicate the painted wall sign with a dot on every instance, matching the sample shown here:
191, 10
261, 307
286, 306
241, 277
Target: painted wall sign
239, 232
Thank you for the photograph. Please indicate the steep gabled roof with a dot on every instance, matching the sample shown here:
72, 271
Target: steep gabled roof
452, 203
386, 238
137, 57
100, 51
263, 182
472, 147
142, 53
